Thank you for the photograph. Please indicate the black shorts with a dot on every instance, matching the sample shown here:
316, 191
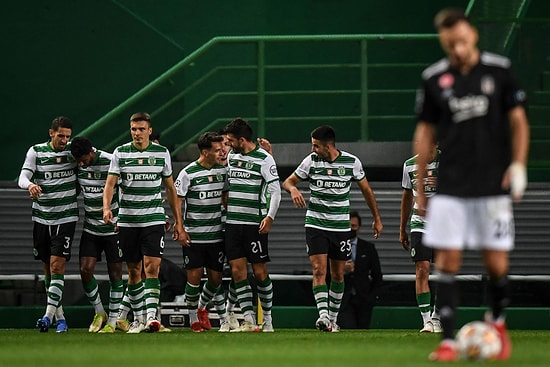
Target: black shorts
137, 242
207, 255
54, 240
336, 244
244, 240
93, 245
419, 252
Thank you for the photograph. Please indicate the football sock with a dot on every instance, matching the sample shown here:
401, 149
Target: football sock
335, 294
447, 301
55, 294
265, 293
207, 294
115, 297
152, 296
136, 295
244, 296
232, 300
499, 293
192, 294
219, 303
320, 292
92, 293
423, 300
125, 306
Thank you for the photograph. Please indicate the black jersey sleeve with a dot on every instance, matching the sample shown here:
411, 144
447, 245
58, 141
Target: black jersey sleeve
512, 93
427, 108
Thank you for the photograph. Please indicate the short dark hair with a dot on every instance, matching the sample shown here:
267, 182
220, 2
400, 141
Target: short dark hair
205, 140
325, 134
140, 116
80, 146
239, 128
355, 214
61, 122
449, 17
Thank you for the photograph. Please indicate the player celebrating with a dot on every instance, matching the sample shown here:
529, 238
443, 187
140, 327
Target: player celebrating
49, 175
328, 235
201, 185
97, 236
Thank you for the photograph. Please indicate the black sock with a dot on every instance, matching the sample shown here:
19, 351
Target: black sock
499, 296
447, 301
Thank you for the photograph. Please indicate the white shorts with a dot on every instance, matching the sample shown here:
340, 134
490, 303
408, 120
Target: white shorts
456, 223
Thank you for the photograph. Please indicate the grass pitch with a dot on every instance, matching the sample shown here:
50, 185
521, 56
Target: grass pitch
285, 347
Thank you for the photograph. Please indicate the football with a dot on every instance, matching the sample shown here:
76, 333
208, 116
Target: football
478, 340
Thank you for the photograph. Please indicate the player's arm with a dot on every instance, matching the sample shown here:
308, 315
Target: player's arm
108, 191
274, 190
265, 145
368, 195
25, 177
290, 186
515, 177
186, 239
406, 208
424, 138
172, 197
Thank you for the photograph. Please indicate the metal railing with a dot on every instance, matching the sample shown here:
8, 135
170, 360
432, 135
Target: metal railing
262, 91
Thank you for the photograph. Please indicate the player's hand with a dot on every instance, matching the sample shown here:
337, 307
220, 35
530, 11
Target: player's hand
404, 239
34, 191
265, 144
377, 228
515, 179
167, 224
297, 198
265, 225
108, 216
181, 235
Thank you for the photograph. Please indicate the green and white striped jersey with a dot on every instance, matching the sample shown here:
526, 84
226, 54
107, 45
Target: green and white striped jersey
55, 173
329, 185
202, 189
249, 175
92, 182
410, 182
141, 173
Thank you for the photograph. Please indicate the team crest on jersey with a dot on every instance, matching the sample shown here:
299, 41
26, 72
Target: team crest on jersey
152, 161
446, 81
487, 85
97, 175
249, 165
341, 171
219, 177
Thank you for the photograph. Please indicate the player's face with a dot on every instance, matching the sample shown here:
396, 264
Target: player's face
86, 160
215, 154
460, 44
237, 144
60, 138
320, 148
226, 147
140, 131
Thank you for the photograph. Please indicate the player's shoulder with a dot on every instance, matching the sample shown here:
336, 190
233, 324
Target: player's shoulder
347, 157
494, 60
411, 161
103, 155
438, 67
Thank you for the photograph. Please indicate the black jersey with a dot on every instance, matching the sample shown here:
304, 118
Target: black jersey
471, 116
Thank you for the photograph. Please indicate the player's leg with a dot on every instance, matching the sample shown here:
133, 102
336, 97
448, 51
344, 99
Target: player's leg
336, 291
317, 250
265, 294
231, 304
497, 213
448, 227
113, 256
88, 256
237, 248
152, 245
192, 295
61, 243
214, 259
